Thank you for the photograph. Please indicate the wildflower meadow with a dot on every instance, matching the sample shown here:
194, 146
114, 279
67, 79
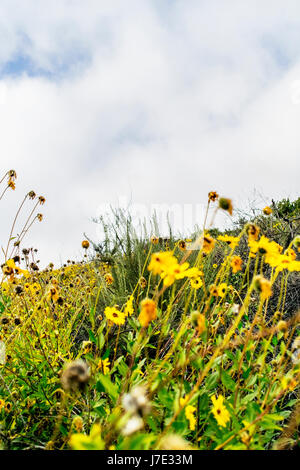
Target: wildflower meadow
151, 343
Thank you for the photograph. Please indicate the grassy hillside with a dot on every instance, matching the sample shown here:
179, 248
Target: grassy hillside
152, 343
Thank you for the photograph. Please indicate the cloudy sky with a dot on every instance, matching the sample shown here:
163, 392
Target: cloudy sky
149, 101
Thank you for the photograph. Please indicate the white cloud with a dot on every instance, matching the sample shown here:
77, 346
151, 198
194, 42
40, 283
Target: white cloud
160, 105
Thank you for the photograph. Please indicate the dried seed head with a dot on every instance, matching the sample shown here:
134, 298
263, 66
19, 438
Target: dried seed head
226, 204
12, 174
213, 196
136, 402
282, 325
19, 290
135, 423
75, 375
142, 282
31, 194
174, 442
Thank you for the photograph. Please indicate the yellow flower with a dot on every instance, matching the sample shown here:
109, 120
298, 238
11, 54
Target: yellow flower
263, 286
8, 407
222, 289
193, 273
103, 366
207, 243
129, 307
174, 272
11, 264
189, 414
53, 294
269, 249
213, 290
219, 411
288, 383
108, 279
198, 321
236, 264
291, 253
148, 312
91, 442
77, 423
196, 283
231, 241
161, 261
114, 315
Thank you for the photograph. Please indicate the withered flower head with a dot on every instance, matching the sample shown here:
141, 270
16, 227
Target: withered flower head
267, 210
143, 282
263, 286
86, 346
19, 290
198, 321
296, 242
213, 196
252, 231
7, 270
12, 174
75, 375
226, 204
40, 218
136, 401
31, 194
154, 240
182, 245
85, 244
11, 184
42, 200
34, 267
213, 290
174, 442
282, 325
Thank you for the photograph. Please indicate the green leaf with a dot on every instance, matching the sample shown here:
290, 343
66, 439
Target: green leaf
123, 367
101, 341
227, 381
104, 384
212, 380
92, 337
